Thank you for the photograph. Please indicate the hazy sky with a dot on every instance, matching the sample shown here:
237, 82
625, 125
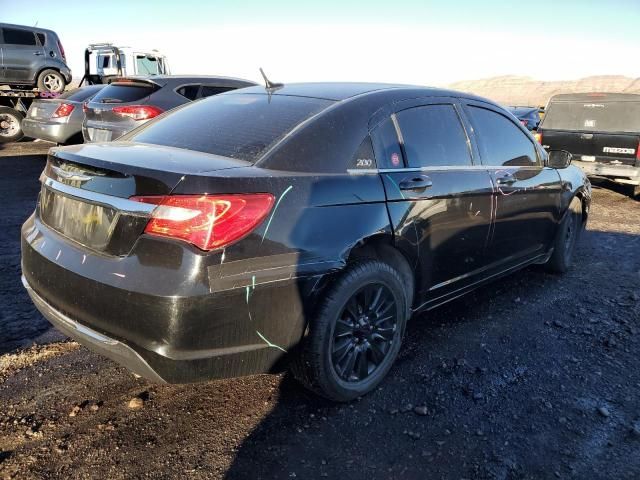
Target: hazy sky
419, 42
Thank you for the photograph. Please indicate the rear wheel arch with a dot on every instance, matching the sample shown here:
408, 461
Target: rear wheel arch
380, 247
42, 69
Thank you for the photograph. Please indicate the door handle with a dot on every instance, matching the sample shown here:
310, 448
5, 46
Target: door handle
419, 182
38, 53
507, 179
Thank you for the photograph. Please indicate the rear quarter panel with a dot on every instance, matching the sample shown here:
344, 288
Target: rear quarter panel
307, 237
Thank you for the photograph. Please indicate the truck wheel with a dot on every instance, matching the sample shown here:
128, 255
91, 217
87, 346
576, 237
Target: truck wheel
356, 335
10, 125
566, 238
51, 81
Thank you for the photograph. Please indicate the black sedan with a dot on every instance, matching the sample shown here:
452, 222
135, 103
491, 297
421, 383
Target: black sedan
301, 225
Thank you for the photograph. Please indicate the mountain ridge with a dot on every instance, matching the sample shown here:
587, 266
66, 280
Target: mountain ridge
524, 90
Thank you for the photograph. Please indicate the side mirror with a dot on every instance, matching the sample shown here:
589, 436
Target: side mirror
559, 159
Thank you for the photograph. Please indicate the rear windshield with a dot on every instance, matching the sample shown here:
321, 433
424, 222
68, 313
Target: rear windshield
242, 126
123, 93
594, 116
80, 94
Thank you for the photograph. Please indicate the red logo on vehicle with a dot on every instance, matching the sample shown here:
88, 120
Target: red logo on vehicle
395, 159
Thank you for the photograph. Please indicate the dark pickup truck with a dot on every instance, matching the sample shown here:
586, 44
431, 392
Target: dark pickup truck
601, 130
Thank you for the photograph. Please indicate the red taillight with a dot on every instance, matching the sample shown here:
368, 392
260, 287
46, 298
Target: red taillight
538, 137
207, 221
64, 57
64, 110
138, 112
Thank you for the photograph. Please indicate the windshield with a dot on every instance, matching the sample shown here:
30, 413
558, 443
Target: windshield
147, 65
594, 116
242, 126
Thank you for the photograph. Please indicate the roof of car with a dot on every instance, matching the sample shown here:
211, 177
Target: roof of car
595, 96
26, 27
523, 110
343, 90
164, 79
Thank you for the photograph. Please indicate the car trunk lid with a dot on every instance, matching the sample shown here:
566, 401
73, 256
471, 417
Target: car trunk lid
608, 148
119, 93
86, 189
44, 109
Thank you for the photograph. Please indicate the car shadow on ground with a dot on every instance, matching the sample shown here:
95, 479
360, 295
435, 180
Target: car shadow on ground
606, 184
483, 387
306, 436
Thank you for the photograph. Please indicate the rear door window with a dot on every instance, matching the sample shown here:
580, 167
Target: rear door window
188, 91
500, 141
209, 90
242, 126
14, 36
124, 93
433, 136
41, 38
594, 115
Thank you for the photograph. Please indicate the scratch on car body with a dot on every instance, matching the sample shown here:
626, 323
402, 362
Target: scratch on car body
395, 184
273, 345
274, 211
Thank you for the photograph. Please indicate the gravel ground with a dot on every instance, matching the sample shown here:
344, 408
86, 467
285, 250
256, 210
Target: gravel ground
535, 376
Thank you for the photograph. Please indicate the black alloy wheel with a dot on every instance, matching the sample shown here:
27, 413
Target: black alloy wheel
364, 333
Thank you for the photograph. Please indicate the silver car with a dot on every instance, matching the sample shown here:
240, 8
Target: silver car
127, 103
59, 119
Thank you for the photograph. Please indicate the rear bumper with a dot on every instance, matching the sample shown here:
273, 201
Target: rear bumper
109, 347
621, 173
52, 132
162, 311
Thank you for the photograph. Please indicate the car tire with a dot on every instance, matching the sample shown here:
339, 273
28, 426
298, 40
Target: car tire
566, 238
10, 125
633, 191
356, 335
51, 81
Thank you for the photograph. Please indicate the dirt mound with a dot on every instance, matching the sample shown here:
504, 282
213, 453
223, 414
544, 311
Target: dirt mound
515, 90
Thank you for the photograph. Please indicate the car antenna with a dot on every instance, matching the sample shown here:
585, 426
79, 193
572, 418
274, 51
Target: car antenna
268, 84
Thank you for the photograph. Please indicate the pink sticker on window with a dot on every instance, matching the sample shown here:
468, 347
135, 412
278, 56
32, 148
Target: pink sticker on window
395, 159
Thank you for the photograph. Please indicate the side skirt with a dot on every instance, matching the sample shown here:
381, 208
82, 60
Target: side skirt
436, 302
